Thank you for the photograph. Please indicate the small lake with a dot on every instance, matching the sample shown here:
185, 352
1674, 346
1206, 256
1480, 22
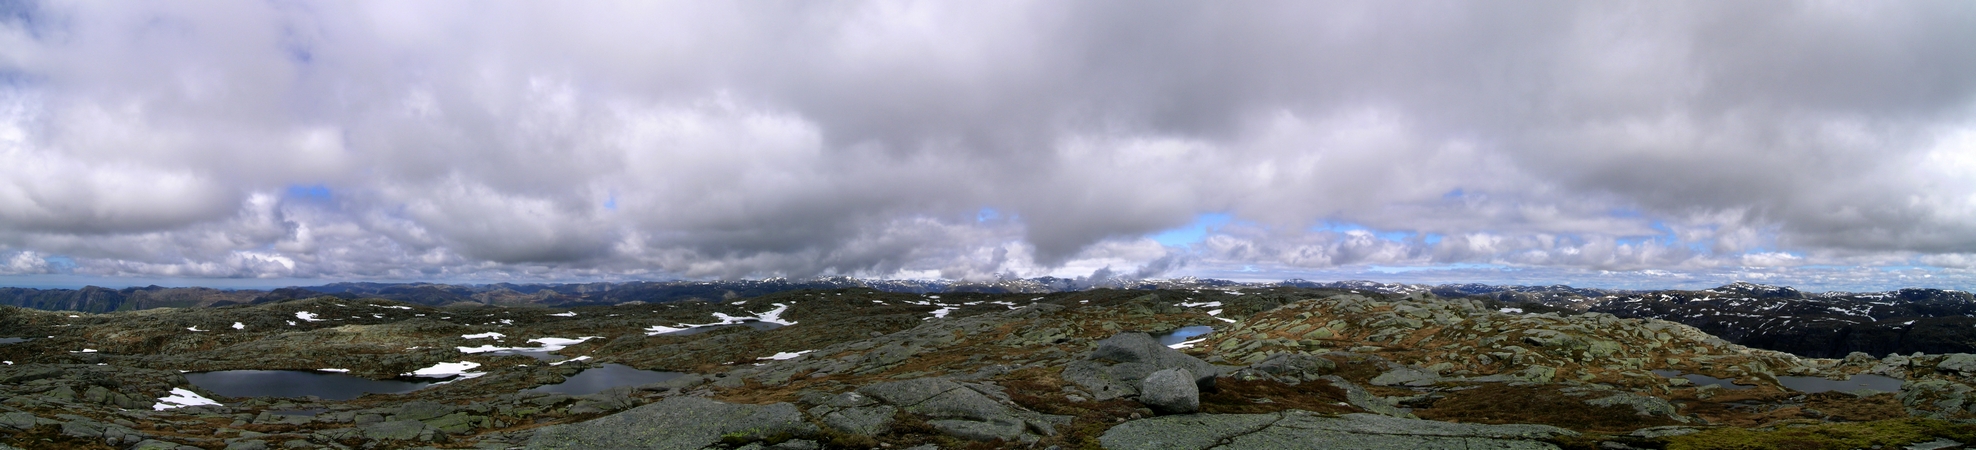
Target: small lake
1700, 379
757, 325
1183, 334
597, 379
1813, 385
12, 340
296, 383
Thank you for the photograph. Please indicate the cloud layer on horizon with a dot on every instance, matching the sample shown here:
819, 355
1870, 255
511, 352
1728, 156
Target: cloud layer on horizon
593, 140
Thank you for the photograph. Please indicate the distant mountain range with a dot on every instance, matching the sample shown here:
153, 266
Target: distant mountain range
1775, 317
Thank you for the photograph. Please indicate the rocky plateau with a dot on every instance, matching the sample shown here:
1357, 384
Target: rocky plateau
1284, 366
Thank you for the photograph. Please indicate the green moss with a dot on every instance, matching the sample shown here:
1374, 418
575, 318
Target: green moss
1877, 434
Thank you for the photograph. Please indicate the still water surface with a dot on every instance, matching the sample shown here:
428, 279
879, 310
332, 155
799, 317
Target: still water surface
1813, 385
1183, 334
1700, 379
594, 380
11, 340
296, 383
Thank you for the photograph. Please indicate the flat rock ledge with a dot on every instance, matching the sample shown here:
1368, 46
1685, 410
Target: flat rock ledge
1301, 429
678, 423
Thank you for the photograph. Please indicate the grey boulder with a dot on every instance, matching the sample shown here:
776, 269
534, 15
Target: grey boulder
677, 423
1170, 391
1122, 362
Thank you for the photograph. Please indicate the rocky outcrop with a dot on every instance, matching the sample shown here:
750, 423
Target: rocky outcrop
1301, 429
1122, 362
684, 423
964, 410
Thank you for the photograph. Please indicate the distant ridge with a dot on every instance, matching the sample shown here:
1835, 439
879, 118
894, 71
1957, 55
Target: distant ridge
99, 299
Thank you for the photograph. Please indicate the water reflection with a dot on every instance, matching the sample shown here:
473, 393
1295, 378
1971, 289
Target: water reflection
606, 376
1183, 334
12, 340
1813, 385
296, 383
1703, 379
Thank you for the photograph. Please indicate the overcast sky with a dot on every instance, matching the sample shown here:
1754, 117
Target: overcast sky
1829, 145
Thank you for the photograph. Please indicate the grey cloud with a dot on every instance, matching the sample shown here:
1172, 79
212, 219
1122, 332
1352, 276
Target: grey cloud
708, 139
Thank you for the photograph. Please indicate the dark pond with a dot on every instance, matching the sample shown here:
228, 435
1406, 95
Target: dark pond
758, 326
12, 340
1813, 385
1703, 379
296, 383
1183, 334
594, 380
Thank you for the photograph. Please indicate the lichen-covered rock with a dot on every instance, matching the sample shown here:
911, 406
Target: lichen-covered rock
1170, 391
1641, 404
1288, 368
1406, 376
1940, 399
677, 423
964, 410
1302, 429
1962, 363
1120, 363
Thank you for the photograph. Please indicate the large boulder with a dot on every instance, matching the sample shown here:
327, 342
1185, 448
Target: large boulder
1170, 391
1122, 362
1303, 429
968, 411
678, 423
1962, 363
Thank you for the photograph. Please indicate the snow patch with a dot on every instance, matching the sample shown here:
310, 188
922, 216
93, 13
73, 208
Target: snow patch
307, 316
1186, 344
181, 398
560, 314
779, 356
443, 370
334, 370
193, 329
656, 330
579, 358
771, 316
943, 311
550, 344
239, 326
486, 335
1511, 310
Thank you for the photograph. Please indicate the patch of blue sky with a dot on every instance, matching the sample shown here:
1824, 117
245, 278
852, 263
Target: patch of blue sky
60, 264
610, 203
1194, 232
986, 214
1435, 267
314, 192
